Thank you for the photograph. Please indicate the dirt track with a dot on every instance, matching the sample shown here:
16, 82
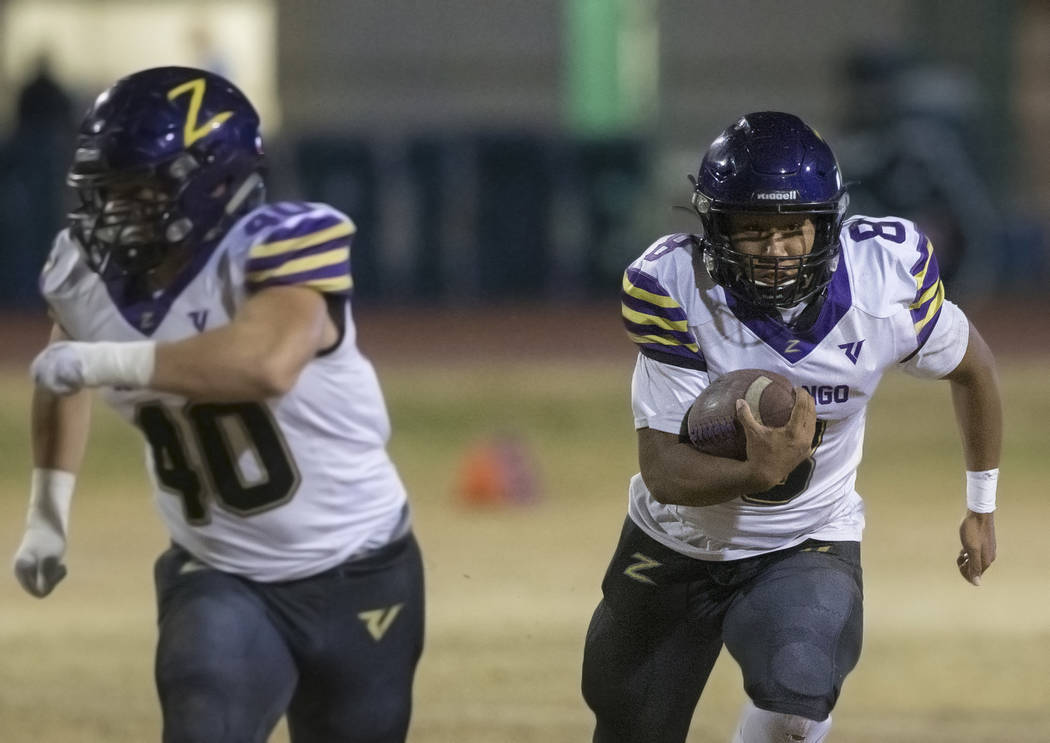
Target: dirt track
509, 332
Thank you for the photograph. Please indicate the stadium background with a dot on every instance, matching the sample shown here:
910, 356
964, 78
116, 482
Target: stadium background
504, 160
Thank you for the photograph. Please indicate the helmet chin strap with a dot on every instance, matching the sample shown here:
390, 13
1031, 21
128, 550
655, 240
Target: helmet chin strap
248, 186
809, 315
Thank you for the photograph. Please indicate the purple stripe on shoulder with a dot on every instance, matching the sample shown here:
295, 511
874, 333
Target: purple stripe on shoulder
933, 274
273, 261
919, 312
640, 305
334, 271
675, 356
924, 334
930, 280
675, 335
304, 227
923, 247
646, 282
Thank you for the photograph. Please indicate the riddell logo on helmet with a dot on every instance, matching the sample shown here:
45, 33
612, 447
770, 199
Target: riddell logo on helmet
776, 195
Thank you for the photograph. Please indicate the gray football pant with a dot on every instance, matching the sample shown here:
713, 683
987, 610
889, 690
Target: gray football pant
792, 620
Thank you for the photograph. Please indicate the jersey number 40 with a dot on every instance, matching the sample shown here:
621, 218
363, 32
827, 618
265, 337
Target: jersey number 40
212, 462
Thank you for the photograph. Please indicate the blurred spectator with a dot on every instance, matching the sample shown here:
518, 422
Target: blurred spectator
913, 149
206, 53
32, 172
43, 104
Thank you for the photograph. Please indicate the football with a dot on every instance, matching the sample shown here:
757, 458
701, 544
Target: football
711, 422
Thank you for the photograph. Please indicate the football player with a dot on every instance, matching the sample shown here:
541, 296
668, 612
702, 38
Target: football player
763, 555
220, 326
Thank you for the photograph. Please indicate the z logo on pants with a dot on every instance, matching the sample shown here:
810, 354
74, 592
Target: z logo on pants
634, 570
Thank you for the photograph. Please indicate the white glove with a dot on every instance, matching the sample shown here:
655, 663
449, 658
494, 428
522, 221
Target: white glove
59, 368
65, 367
38, 561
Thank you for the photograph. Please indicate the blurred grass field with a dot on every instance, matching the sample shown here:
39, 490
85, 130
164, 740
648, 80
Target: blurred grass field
510, 590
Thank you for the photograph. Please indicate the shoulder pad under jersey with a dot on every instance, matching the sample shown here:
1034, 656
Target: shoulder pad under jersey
65, 271
658, 296
892, 264
295, 244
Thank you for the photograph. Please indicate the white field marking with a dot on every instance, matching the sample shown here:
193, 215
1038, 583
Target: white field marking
754, 395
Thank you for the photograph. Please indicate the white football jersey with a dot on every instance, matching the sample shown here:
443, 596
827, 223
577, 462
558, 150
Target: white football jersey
272, 491
885, 308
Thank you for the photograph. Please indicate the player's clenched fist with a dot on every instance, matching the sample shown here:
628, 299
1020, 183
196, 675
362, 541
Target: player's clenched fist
775, 452
59, 368
38, 562
66, 367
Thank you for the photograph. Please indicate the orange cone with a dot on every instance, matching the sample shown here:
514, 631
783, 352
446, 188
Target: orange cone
495, 471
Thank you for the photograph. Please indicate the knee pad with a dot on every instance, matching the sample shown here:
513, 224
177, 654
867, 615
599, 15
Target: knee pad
762, 726
802, 677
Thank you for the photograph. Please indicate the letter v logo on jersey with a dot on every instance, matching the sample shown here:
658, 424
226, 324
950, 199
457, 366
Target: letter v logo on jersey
852, 350
378, 621
200, 319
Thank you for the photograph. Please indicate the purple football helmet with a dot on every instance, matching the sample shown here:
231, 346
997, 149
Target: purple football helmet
166, 160
770, 162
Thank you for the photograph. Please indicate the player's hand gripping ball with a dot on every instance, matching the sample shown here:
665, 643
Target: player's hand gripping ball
712, 423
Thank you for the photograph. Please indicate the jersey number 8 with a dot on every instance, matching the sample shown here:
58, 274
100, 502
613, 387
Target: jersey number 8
794, 483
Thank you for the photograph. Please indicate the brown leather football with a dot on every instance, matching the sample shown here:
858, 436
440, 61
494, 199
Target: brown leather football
711, 422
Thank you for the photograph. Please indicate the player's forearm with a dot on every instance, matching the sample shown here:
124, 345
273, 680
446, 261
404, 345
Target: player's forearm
59, 429
680, 475
258, 355
979, 414
236, 362
978, 406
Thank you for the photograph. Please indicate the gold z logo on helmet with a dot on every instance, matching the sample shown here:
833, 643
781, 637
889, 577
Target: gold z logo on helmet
191, 131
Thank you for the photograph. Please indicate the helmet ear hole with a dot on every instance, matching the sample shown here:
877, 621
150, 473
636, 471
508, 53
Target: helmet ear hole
178, 230
181, 167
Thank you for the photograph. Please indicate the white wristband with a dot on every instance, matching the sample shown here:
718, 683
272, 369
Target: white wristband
119, 364
980, 490
50, 493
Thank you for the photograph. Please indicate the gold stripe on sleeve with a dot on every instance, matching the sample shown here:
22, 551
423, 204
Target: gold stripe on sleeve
301, 265
935, 305
641, 339
338, 284
645, 296
265, 250
642, 318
